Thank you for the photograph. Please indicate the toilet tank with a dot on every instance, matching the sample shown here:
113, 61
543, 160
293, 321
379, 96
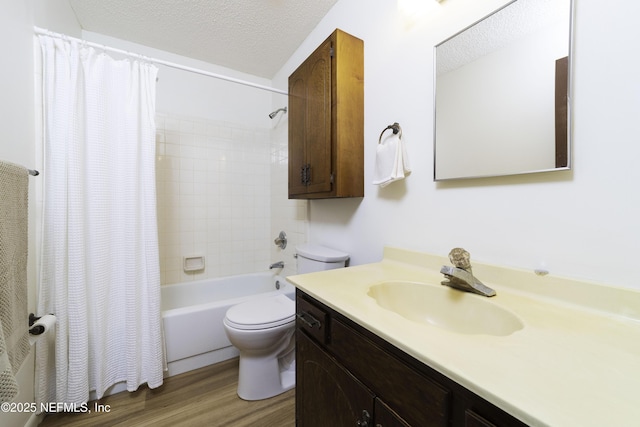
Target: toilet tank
312, 257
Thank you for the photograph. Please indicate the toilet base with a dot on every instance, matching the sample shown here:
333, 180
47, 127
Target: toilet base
261, 379
267, 354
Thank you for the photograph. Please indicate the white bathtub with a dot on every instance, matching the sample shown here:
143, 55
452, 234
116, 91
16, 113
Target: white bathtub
192, 314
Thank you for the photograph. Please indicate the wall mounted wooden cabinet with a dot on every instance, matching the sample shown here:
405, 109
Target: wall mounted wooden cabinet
326, 121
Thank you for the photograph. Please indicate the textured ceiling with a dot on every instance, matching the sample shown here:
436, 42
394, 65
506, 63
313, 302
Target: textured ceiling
252, 36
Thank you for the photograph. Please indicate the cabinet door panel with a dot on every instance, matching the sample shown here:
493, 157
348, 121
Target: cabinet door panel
386, 417
471, 419
318, 119
419, 400
326, 394
297, 151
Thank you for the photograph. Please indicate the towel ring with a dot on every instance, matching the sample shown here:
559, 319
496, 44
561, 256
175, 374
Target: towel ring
395, 127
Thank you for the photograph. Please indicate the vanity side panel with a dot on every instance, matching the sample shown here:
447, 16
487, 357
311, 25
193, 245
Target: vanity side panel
347, 114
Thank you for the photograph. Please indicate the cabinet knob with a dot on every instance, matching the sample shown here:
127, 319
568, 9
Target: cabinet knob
364, 419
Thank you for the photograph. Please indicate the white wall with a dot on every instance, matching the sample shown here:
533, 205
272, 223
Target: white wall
189, 94
582, 224
16, 145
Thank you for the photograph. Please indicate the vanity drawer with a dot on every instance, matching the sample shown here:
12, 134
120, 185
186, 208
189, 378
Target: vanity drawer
312, 319
417, 399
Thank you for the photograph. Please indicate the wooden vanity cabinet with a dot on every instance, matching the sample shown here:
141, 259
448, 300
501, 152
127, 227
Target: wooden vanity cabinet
331, 395
326, 121
348, 376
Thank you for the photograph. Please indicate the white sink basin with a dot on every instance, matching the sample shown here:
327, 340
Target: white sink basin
445, 308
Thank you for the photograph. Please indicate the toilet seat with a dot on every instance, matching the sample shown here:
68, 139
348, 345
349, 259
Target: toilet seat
261, 313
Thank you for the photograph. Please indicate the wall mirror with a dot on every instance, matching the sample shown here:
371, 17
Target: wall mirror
502, 93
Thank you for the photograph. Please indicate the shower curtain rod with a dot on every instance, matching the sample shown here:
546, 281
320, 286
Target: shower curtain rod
42, 31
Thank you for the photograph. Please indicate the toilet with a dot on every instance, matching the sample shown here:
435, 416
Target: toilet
263, 331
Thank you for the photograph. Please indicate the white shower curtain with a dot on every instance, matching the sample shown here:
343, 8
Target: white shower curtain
100, 267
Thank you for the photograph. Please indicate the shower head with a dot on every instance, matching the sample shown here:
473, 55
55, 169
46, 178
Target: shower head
275, 113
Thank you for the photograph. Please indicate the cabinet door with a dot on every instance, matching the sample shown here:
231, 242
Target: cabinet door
326, 394
386, 417
310, 139
297, 120
471, 419
318, 120
416, 398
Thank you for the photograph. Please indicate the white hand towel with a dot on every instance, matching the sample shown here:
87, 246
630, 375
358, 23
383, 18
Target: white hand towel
392, 163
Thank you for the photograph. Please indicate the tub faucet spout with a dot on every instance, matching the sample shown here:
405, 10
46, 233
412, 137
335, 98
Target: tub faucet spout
460, 277
279, 264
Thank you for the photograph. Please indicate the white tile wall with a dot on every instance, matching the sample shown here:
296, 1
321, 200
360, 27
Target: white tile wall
287, 215
214, 197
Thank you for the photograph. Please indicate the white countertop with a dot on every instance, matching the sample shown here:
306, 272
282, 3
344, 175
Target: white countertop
576, 362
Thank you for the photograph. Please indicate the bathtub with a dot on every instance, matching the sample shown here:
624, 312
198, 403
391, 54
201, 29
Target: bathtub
192, 314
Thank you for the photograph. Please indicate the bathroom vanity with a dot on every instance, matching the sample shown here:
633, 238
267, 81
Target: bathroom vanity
348, 376
567, 354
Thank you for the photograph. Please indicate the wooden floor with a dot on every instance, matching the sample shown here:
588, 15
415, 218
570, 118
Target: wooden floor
204, 397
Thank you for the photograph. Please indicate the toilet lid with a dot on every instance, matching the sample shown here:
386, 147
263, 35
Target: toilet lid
262, 313
320, 253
